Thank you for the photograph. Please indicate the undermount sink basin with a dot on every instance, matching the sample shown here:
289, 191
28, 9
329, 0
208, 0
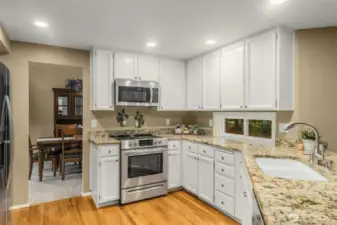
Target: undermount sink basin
288, 169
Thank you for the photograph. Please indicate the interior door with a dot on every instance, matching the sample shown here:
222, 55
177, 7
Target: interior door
233, 77
261, 72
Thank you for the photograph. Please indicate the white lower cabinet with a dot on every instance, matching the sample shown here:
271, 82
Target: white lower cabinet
191, 172
104, 174
174, 177
206, 178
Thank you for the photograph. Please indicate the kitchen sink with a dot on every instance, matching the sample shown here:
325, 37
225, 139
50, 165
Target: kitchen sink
288, 169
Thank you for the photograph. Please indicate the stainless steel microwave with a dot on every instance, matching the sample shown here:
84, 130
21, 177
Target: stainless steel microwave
136, 93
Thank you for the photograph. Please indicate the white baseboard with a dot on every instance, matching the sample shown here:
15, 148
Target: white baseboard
86, 194
14, 207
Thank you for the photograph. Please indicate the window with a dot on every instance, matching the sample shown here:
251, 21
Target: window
234, 126
257, 127
260, 128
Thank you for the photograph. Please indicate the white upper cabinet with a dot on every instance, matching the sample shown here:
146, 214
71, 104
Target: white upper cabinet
233, 77
125, 65
101, 77
173, 84
147, 68
194, 83
261, 72
211, 80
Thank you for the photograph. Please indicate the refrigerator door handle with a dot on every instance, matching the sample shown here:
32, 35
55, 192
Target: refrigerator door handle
2, 121
9, 112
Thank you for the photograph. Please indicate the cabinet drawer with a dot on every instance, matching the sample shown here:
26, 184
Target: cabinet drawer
225, 170
206, 150
224, 185
108, 150
226, 157
224, 203
174, 145
190, 146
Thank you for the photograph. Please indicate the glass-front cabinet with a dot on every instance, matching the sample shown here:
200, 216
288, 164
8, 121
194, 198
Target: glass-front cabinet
68, 106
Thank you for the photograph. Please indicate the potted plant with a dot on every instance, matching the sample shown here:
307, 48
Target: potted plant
308, 138
194, 129
139, 120
122, 117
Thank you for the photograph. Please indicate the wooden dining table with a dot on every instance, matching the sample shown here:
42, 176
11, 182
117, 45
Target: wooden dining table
44, 144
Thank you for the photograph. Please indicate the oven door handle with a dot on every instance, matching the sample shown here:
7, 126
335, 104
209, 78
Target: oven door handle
144, 153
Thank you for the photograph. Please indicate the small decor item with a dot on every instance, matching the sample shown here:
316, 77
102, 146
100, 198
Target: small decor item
194, 129
139, 120
74, 84
178, 129
122, 117
308, 138
185, 129
299, 145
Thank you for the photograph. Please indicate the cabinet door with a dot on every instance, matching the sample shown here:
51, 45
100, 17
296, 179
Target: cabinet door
102, 80
247, 205
125, 66
174, 172
109, 187
194, 83
147, 68
232, 77
191, 172
173, 84
211, 80
261, 72
206, 178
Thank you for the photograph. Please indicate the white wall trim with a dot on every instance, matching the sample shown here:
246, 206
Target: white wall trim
14, 207
84, 194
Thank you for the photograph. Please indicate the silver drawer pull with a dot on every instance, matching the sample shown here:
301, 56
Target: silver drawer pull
116, 160
222, 203
222, 185
222, 170
109, 152
222, 158
189, 147
204, 151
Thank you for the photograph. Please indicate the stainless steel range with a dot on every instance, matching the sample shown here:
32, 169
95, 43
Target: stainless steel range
143, 167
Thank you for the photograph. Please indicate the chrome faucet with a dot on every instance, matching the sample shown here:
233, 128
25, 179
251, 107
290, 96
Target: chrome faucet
317, 157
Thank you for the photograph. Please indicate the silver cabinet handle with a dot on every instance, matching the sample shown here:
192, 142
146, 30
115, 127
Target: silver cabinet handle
109, 152
222, 158
204, 151
222, 170
117, 160
245, 194
222, 202
222, 185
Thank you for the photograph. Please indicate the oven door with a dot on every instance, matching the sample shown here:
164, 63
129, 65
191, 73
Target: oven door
145, 166
136, 93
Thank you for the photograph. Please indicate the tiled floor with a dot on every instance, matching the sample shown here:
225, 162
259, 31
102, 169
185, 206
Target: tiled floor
53, 188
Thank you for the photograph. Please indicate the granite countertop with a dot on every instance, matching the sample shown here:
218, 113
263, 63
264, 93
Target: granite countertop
282, 201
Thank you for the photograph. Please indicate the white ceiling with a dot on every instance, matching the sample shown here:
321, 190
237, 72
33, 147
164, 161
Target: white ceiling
180, 27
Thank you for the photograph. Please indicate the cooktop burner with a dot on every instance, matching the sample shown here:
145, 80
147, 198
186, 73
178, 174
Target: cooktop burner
140, 141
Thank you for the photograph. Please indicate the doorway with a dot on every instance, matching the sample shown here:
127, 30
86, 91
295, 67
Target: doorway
55, 104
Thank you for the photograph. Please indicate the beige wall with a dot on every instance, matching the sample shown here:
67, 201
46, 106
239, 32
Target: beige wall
316, 80
42, 78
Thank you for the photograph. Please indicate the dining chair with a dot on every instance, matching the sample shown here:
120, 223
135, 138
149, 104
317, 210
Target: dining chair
51, 155
74, 154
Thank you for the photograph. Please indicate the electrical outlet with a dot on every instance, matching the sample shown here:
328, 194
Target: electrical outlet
281, 128
167, 122
93, 123
210, 123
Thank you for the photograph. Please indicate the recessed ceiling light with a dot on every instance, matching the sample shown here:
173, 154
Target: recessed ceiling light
210, 42
151, 44
41, 24
277, 2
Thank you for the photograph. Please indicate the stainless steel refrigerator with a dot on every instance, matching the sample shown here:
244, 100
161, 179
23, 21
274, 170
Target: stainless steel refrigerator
6, 145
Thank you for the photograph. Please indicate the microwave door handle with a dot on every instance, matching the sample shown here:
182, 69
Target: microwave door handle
151, 95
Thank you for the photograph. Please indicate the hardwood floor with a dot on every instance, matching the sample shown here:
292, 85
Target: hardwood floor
178, 208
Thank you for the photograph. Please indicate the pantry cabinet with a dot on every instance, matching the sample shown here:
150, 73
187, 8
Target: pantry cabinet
194, 79
233, 77
211, 81
173, 84
101, 78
